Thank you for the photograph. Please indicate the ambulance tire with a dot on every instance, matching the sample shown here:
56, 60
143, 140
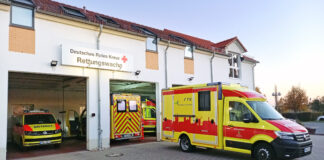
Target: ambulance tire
185, 144
264, 151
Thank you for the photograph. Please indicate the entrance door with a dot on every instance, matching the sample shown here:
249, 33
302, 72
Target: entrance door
237, 133
206, 118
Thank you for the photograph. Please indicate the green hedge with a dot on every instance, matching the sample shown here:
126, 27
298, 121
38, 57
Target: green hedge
303, 116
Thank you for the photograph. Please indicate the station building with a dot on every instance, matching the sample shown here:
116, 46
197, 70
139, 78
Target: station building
63, 58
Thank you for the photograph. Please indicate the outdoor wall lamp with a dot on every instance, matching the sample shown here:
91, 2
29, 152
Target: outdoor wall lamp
190, 78
53, 63
242, 58
137, 72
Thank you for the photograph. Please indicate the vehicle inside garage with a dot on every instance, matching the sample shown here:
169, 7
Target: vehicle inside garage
147, 93
41, 106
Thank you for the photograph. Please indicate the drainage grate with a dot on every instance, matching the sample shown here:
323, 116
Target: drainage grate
114, 155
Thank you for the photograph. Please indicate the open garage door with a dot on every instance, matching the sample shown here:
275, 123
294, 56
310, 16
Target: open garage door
46, 114
147, 93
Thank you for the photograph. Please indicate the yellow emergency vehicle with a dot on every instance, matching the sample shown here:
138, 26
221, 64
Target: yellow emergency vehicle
230, 117
35, 128
149, 116
126, 116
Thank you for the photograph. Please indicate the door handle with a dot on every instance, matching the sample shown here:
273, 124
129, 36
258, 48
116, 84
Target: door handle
230, 125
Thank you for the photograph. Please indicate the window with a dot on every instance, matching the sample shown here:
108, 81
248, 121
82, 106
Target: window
189, 52
237, 110
107, 21
151, 44
235, 64
73, 12
39, 119
121, 105
264, 110
132, 106
204, 101
22, 16
151, 41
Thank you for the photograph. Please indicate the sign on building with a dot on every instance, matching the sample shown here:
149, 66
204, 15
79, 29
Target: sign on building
92, 58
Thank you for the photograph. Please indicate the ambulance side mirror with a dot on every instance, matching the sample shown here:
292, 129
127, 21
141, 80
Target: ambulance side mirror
247, 118
18, 124
59, 122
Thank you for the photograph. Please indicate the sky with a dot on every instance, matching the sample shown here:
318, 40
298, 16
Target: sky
286, 36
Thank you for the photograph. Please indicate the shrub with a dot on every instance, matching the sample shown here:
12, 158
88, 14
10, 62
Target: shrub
303, 116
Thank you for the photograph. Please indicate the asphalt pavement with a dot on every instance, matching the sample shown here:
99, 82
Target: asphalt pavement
170, 151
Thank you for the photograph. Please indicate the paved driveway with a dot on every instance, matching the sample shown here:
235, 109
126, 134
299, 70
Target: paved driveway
170, 151
318, 125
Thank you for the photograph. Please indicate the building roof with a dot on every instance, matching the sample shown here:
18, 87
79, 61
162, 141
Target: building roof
227, 42
57, 8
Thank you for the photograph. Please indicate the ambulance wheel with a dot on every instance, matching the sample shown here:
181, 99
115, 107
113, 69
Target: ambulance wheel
263, 151
185, 144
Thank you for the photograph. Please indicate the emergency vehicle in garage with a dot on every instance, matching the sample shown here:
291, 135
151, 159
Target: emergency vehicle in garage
34, 128
230, 117
149, 116
126, 117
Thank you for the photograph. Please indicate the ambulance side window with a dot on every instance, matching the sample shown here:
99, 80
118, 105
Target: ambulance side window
237, 110
121, 105
204, 101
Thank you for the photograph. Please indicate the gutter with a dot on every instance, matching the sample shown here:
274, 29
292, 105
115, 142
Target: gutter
211, 67
99, 97
165, 64
253, 75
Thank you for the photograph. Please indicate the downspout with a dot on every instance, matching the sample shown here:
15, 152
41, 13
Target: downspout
253, 75
211, 67
99, 97
165, 64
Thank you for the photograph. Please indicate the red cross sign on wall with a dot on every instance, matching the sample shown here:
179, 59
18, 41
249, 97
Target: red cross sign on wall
124, 59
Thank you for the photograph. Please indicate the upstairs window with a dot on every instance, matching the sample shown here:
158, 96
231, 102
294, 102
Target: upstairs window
73, 12
151, 40
151, 44
107, 21
234, 63
189, 46
22, 13
189, 52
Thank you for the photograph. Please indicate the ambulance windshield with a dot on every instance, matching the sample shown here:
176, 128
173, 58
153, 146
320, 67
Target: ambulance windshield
39, 119
265, 111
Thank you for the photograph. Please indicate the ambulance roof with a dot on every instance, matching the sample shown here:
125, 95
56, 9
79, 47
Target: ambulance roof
228, 90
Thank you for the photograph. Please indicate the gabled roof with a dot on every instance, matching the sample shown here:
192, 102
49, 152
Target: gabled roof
227, 42
55, 8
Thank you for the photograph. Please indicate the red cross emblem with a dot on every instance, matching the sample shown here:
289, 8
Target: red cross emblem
124, 59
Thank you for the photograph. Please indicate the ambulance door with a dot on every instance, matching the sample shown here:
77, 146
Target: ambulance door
237, 133
167, 116
206, 118
134, 115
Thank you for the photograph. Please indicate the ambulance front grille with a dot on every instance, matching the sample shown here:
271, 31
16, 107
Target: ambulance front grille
302, 137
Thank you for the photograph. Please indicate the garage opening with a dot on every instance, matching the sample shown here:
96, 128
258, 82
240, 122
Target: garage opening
120, 92
41, 109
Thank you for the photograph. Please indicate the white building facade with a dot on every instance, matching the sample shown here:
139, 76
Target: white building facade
31, 50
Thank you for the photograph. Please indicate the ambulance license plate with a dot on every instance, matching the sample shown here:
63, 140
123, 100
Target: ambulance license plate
127, 135
307, 149
45, 142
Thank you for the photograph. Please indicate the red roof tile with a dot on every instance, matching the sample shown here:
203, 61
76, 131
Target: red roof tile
227, 42
55, 7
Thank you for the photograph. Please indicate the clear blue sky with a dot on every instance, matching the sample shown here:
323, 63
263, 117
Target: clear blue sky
286, 36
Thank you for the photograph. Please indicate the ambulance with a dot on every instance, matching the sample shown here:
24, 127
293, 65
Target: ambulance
34, 128
230, 117
126, 117
149, 116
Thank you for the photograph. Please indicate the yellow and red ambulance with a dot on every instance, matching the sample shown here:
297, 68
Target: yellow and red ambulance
34, 128
149, 116
230, 117
126, 116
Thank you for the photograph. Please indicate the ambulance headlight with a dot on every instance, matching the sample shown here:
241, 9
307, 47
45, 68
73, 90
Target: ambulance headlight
285, 135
